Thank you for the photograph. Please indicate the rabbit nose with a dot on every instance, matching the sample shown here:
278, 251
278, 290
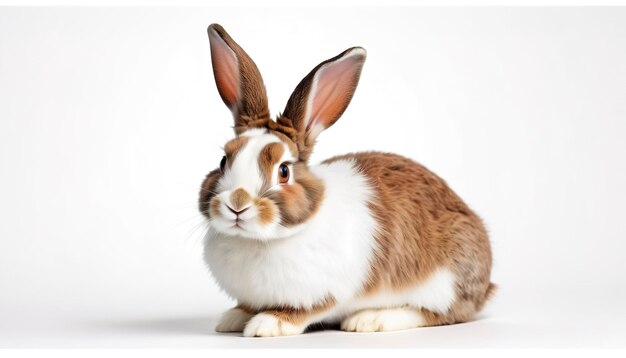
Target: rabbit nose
239, 199
237, 212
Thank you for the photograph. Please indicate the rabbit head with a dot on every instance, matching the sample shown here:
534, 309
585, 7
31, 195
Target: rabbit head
263, 188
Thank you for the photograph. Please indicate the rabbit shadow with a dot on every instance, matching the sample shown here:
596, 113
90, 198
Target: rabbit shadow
185, 325
202, 325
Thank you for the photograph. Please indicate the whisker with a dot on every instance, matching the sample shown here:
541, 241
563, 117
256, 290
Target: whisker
195, 228
209, 191
194, 216
204, 233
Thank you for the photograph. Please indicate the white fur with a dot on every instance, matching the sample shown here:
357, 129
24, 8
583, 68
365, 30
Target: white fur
435, 294
244, 171
254, 132
267, 325
328, 256
383, 320
233, 320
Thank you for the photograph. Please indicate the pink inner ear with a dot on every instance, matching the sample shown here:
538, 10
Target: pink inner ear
332, 90
225, 69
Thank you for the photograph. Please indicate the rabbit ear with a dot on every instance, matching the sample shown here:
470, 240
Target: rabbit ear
238, 80
324, 94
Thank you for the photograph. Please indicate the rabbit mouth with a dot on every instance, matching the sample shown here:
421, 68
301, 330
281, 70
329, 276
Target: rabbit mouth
232, 227
240, 226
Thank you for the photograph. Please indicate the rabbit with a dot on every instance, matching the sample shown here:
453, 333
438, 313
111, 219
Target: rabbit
368, 241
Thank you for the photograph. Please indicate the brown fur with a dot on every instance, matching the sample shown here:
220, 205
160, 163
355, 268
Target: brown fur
268, 158
425, 226
232, 148
240, 198
291, 145
267, 210
295, 316
299, 201
207, 190
298, 316
214, 209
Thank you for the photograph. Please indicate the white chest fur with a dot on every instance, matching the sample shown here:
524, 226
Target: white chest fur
329, 256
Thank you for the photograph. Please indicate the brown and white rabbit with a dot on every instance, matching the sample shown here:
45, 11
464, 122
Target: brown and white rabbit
373, 241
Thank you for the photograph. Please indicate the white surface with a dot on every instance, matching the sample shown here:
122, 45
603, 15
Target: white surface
109, 119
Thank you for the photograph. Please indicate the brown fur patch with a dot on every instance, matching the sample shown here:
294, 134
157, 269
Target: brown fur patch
267, 210
293, 148
268, 158
207, 191
299, 201
214, 210
240, 198
424, 226
298, 315
232, 148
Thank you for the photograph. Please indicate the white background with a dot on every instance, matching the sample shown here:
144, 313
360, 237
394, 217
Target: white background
109, 119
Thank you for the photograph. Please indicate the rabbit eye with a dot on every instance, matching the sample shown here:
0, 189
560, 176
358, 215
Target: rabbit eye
223, 164
283, 173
